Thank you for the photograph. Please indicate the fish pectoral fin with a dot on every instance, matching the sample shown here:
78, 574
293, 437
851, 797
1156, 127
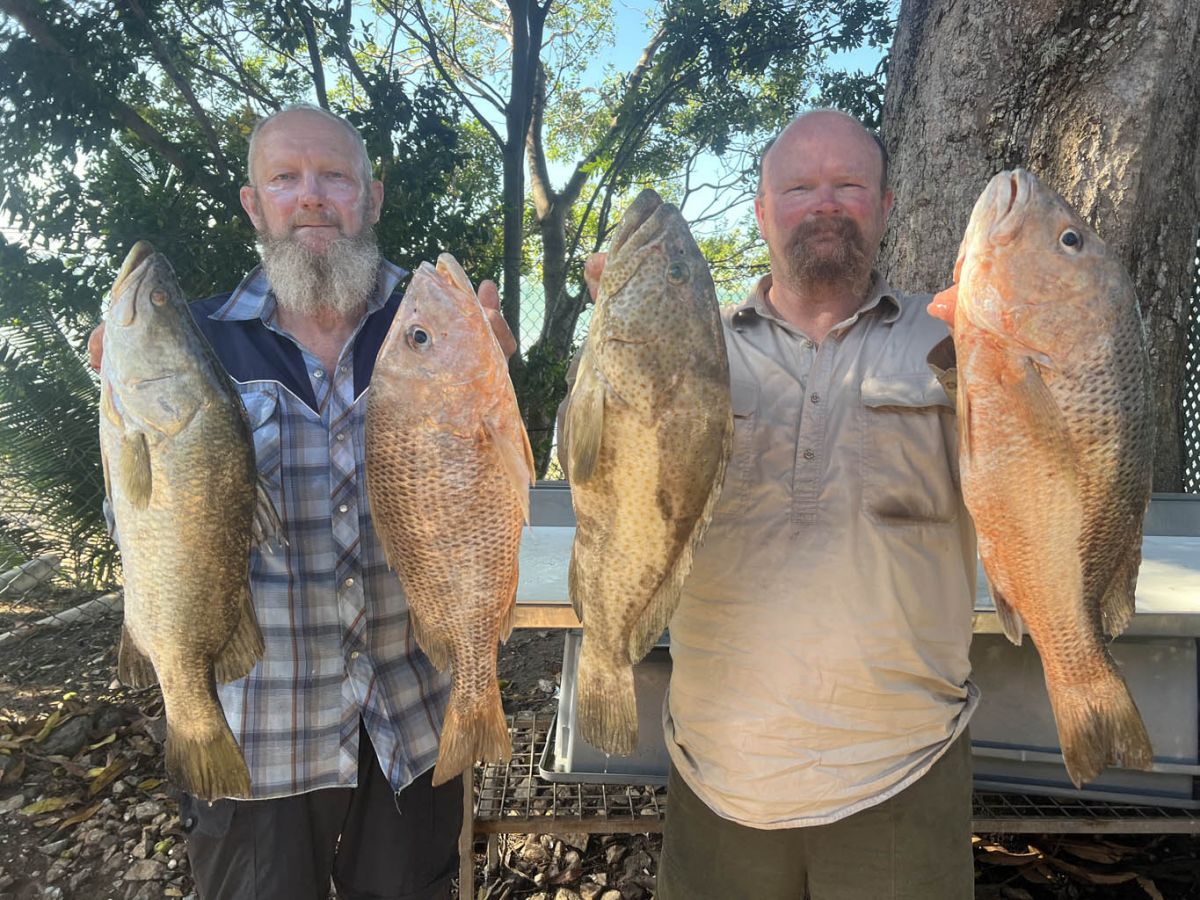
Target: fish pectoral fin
266, 525
244, 647
134, 469
133, 666
516, 460
585, 418
1010, 619
1036, 406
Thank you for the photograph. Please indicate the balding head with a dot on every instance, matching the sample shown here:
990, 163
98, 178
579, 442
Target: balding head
828, 118
300, 112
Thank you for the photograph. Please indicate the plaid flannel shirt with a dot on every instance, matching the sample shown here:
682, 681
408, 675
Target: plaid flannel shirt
333, 616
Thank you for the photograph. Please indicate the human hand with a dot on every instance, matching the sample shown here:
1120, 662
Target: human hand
489, 299
943, 304
95, 346
592, 270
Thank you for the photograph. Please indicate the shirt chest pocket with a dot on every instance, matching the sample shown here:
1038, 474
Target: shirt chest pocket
910, 450
262, 409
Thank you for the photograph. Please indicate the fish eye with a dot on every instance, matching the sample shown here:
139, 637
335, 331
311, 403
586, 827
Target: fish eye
419, 338
1071, 239
677, 273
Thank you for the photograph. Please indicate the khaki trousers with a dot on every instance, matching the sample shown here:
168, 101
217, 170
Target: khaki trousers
913, 846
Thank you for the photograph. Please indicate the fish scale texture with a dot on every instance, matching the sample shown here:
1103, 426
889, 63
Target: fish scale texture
1056, 447
185, 551
446, 455
652, 392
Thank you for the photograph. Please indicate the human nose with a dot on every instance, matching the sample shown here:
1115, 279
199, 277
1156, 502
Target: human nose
312, 192
826, 200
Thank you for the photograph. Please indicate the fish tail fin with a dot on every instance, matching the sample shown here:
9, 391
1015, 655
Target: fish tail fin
207, 766
472, 730
607, 706
1098, 724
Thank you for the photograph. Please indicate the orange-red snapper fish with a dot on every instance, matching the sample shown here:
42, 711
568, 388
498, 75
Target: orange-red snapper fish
448, 474
1056, 437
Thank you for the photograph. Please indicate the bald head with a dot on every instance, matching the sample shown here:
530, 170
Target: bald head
832, 121
300, 114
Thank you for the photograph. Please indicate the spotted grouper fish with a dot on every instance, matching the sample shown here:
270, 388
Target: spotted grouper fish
1055, 441
180, 476
448, 473
647, 433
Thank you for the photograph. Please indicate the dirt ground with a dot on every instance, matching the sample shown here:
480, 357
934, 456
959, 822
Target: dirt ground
85, 811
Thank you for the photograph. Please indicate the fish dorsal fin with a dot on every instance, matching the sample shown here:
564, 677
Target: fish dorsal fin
266, 526
134, 469
1010, 619
516, 459
585, 422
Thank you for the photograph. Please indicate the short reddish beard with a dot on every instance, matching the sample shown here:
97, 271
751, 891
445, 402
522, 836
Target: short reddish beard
846, 262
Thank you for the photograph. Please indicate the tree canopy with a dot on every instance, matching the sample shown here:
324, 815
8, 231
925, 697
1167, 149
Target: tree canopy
123, 120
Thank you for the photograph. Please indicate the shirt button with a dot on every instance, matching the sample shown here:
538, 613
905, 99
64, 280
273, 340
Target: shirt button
808, 454
808, 345
815, 397
354, 654
318, 373
343, 508
341, 436
349, 582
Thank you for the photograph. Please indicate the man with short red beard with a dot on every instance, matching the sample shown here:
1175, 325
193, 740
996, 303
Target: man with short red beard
339, 720
818, 704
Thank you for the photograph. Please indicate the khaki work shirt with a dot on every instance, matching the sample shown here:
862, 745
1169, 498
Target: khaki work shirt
820, 648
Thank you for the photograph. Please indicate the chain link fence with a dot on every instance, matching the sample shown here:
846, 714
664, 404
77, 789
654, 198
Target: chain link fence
50, 578
1191, 390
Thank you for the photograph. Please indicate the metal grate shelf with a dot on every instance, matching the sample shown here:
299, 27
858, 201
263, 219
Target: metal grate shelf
514, 799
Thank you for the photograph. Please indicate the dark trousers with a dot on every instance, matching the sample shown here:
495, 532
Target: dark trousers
373, 843
913, 846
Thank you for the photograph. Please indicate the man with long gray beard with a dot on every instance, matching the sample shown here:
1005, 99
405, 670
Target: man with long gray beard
818, 703
339, 721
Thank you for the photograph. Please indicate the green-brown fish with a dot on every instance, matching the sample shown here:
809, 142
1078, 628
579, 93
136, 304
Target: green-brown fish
181, 480
448, 472
647, 433
1056, 436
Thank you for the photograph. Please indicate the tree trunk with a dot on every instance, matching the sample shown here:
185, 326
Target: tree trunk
1101, 101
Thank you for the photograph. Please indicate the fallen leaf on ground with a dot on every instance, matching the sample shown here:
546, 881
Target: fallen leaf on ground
49, 804
79, 817
106, 777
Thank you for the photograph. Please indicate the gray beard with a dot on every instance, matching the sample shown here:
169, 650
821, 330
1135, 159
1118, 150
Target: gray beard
340, 280
846, 263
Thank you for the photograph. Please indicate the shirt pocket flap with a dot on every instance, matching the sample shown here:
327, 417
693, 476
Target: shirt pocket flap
743, 397
260, 406
914, 390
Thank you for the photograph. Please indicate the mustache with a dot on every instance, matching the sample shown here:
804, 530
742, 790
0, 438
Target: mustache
847, 261
840, 226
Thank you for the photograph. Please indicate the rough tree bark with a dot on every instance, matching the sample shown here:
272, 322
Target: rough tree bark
1099, 99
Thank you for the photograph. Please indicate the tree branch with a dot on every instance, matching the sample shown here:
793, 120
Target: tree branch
117, 109
164, 58
314, 53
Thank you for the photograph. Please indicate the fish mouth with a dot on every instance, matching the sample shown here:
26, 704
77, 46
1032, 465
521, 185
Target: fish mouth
124, 304
1008, 199
640, 211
